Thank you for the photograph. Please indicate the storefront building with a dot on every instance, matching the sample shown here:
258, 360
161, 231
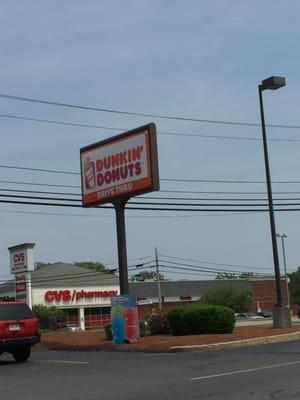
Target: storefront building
85, 295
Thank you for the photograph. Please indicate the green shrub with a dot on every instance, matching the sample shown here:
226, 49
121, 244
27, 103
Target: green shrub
143, 327
238, 299
197, 319
108, 331
157, 323
48, 316
175, 322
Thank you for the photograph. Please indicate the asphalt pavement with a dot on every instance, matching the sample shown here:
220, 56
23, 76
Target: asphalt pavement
262, 372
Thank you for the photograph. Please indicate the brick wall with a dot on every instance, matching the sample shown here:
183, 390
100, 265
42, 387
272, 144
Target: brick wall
264, 292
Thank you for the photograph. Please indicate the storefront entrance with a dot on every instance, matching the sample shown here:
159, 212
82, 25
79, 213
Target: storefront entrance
94, 317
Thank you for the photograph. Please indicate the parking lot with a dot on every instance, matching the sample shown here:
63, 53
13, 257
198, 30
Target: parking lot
262, 372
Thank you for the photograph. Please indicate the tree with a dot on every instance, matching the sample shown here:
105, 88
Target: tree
228, 275
237, 299
48, 316
146, 275
294, 287
96, 266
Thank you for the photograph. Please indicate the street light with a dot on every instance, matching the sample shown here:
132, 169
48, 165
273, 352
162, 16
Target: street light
280, 316
284, 236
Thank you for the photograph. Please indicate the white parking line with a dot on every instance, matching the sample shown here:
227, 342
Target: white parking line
62, 362
243, 371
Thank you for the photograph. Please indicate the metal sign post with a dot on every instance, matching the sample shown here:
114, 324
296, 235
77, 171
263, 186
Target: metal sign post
122, 250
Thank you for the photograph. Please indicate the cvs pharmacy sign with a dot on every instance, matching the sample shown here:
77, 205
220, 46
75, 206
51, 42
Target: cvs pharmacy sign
69, 296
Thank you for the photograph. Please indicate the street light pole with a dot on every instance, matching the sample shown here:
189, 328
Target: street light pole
272, 83
284, 236
270, 201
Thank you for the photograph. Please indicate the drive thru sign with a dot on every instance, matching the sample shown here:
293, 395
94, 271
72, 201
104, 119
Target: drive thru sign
116, 169
122, 166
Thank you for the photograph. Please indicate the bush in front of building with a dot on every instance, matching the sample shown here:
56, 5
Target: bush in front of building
237, 299
157, 323
108, 331
175, 321
142, 327
200, 319
47, 316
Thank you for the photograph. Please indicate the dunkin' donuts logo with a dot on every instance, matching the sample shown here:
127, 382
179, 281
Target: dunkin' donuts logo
113, 168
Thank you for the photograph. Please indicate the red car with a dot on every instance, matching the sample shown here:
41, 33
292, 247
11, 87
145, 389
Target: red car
19, 329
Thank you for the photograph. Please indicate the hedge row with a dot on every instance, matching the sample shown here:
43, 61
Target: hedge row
197, 319
191, 319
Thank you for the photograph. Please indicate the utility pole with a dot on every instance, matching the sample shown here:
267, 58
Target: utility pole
158, 279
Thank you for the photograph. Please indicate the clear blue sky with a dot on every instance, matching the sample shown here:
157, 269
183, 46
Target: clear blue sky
202, 59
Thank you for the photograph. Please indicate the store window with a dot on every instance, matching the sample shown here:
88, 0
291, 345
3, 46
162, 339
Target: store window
92, 311
96, 317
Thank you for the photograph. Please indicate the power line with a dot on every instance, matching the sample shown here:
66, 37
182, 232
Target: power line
222, 192
238, 272
85, 125
53, 171
95, 216
222, 181
206, 271
163, 191
151, 197
128, 216
131, 202
39, 184
148, 208
162, 179
168, 271
212, 263
40, 192
150, 115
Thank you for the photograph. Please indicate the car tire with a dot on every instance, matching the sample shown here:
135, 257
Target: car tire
22, 354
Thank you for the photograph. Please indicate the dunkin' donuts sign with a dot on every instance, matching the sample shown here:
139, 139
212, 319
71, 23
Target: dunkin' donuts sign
122, 166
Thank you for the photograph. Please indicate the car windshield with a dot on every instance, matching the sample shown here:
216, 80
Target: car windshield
14, 311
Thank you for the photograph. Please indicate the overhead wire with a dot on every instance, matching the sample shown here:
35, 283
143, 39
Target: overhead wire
130, 207
241, 271
141, 203
160, 132
152, 203
151, 197
209, 262
140, 114
205, 270
162, 179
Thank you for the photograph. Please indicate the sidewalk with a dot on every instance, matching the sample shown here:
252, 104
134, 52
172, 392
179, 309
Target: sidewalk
266, 321
253, 334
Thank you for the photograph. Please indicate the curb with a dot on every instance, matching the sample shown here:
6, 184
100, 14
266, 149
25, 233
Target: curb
286, 337
104, 349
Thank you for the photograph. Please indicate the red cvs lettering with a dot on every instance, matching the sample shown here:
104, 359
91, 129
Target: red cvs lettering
58, 295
